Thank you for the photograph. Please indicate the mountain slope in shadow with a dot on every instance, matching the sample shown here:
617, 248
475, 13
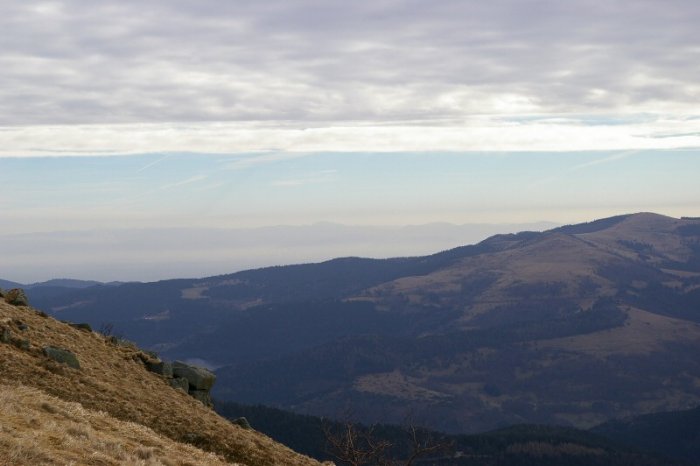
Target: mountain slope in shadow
575, 325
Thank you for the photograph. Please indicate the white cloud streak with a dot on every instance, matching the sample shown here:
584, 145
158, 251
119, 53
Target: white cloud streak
124, 77
268, 142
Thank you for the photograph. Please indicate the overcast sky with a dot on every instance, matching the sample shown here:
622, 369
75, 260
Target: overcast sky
126, 114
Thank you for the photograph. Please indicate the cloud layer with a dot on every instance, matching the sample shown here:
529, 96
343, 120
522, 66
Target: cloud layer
377, 70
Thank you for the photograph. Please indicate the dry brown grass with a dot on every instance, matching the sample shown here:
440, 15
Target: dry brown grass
557, 259
553, 258
643, 333
114, 380
40, 429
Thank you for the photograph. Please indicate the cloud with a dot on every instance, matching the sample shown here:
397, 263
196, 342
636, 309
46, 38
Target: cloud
188, 66
264, 142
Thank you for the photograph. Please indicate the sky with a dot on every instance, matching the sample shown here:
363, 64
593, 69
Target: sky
119, 117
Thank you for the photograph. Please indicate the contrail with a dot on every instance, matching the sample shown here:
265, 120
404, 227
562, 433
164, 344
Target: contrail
610, 158
146, 167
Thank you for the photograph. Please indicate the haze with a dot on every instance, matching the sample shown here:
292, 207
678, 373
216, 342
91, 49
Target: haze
150, 140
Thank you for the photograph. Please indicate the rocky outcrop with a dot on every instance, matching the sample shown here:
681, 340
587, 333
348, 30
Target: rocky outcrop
201, 395
180, 384
161, 368
198, 377
194, 380
61, 355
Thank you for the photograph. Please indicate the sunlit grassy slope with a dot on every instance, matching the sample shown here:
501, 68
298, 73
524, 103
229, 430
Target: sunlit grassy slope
111, 410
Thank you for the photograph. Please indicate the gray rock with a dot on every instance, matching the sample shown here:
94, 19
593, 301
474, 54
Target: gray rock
203, 396
180, 383
243, 422
162, 368
199, 377
21, 325
61, 355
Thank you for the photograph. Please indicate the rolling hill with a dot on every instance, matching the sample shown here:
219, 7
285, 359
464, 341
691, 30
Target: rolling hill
573, 326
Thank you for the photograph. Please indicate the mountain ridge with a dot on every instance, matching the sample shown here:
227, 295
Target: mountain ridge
525, 327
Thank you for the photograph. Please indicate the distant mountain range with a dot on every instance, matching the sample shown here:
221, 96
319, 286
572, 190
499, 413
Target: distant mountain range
152, 253
575, 325
56, 282
56, 286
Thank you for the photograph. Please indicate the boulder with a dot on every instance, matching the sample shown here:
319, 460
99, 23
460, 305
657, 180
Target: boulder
203, 396
180, 383
162, 368
61, 355
243, 422
16, 297
198, 377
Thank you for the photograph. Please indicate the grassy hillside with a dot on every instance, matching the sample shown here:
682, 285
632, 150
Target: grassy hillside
41, 429
111, 379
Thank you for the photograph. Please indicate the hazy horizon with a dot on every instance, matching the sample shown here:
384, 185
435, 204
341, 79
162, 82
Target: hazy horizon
125, 116
152, 254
